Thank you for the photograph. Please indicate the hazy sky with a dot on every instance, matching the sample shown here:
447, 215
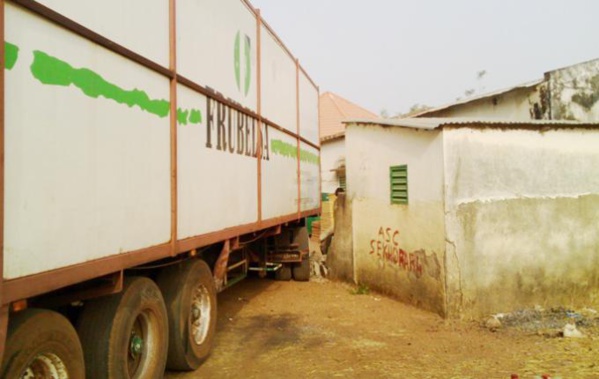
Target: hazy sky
391, 54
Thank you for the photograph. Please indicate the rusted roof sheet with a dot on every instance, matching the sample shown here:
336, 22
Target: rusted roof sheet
438, 123
334, 110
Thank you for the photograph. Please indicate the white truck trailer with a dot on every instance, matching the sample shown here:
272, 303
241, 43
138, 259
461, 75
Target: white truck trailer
154, 151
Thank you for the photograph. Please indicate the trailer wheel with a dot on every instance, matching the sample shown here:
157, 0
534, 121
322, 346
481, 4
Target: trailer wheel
125, 335
190, 298
301, 271
42, 344
283, 273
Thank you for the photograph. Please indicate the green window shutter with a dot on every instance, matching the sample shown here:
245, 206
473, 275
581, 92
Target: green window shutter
399, 184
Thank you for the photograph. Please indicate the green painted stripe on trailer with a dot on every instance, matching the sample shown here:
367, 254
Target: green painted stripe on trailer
50, 70
53, 71
11, 54
289, 150
195, 117
182, 116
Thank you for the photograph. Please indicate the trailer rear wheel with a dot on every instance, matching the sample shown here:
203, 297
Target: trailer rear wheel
125, 335
301, 271
283, 273
42, 344
190, 298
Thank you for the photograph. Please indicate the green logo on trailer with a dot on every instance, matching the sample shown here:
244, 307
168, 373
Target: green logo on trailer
245, 61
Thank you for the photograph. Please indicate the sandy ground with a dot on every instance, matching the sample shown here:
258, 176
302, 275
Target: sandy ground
323, 329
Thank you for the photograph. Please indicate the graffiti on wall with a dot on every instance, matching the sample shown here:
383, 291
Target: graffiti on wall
385, 247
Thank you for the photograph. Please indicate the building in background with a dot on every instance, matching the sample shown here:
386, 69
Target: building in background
333, 111
472, 217
570, 93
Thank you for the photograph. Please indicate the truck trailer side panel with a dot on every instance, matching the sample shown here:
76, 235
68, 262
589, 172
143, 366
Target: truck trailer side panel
217, 48
310, 178
92, 181
217, 188
279, 85
153, 153
87, 150
308, 106
140, 26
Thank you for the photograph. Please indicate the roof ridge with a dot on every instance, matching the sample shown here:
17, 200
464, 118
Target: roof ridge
350, 105
334, 100
431, 123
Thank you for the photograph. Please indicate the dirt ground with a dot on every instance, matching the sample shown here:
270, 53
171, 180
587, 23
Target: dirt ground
324, 329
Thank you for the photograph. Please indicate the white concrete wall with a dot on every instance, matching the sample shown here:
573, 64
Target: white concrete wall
398, 249
575, 92
331, 154
522, 219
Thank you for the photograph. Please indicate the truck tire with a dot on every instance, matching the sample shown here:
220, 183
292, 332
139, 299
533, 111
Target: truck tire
283, 273
301, 271
302, 238
42, 344
190, 297
125, 335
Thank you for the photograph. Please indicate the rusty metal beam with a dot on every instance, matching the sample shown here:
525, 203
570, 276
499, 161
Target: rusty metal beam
173, 122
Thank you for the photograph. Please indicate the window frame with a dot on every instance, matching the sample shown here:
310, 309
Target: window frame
398, 184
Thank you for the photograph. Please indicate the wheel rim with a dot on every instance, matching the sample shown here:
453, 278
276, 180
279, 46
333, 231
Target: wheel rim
200, 314
142, 343
46, 365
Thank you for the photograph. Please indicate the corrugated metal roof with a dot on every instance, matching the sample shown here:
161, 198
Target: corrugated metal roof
479, 97
437, 123
570, 66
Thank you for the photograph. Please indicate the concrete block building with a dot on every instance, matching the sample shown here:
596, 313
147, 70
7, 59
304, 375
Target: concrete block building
469, 217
